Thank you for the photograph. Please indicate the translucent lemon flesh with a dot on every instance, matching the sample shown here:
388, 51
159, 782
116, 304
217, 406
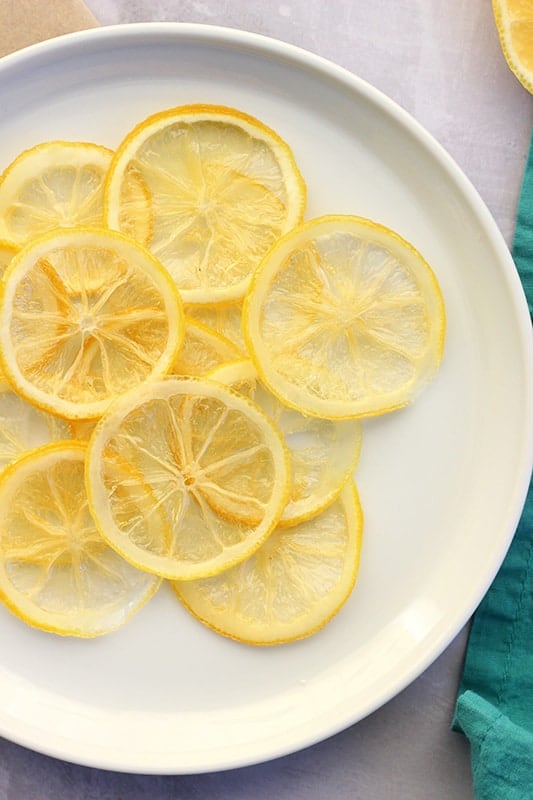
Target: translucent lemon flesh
344, 318
53, 185
292, 586
85, 315
323, 453
213, 463
219, 188
56, 571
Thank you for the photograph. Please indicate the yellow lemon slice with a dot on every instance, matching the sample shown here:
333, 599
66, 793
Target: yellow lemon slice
56, 571
54, 184
514, 20
292, 586
85, 315
202, 350
222, 188
24, 427
210, 458
344, 318
224, 318
7, 251
323, 453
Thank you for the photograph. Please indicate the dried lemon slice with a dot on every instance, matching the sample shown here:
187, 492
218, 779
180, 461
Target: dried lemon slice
202, 350
292, 586
222, 188
7, 251
53, 185
224, 318
324, 453
85, 315
24, 427
344, 318
56, 571
210, 458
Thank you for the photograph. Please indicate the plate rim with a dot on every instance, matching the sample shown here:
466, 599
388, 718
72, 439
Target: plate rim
238, 39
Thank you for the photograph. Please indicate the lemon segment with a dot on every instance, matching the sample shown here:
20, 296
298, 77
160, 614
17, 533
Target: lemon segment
56, 571
53, 185
202, 350
292, 586
213, 463
323, 453
514, 21
222, 187
344, 319
85, 315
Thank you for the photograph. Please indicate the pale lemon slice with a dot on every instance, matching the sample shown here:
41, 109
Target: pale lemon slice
54, 184
344, 318
202, 350
222, 187
85, 315
209, 456
224, 318
514, 20
324, 453
56, 571
24, 427
292, 586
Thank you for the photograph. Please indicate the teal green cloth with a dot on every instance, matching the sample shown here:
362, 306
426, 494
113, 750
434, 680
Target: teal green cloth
494, 706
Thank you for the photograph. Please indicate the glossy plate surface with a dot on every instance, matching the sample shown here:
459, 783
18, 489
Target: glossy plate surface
442, 482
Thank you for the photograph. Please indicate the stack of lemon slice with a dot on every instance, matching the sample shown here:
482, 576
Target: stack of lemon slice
187, 364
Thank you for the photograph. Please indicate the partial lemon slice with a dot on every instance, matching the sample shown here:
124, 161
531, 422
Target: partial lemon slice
324, 453
56, 571
292, 586
24, 427
86, 315
54, 184
202, 350
224, 318
514, 20
7, 251
82, 429
344, 318
223, 187
209, 456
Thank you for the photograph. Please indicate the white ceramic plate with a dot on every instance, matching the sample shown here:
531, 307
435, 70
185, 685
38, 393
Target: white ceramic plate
442, 482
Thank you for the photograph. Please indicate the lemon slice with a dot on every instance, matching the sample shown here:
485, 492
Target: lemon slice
324, 453
56, 571
514, 20
54, 184
224, 318
202, 350
85, 315
344, 318
24, 427
222, 186
292, 586
82, 429
209, 456
7, 251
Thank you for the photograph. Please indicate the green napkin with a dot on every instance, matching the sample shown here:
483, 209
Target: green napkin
495, 702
